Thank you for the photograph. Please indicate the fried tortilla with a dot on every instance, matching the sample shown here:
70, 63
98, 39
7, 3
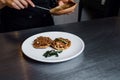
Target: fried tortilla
61, 43
42, 42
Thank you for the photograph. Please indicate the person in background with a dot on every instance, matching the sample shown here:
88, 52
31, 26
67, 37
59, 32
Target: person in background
22, 14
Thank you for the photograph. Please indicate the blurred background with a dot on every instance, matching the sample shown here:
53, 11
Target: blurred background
90, 9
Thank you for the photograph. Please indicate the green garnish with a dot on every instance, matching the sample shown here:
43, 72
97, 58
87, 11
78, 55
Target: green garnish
58, 39
52, 53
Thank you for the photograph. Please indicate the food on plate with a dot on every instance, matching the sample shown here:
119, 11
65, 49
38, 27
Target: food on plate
52, 53
58, 44
63, 9
42, 42
61, 43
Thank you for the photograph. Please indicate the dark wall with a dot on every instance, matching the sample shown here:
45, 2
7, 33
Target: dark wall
97, 10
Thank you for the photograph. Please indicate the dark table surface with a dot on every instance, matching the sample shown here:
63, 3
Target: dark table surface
100, 59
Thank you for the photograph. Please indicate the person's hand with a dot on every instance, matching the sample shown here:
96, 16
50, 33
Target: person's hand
17, 4
62, 2
63, 8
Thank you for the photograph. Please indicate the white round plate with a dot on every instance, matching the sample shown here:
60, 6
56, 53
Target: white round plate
76, 48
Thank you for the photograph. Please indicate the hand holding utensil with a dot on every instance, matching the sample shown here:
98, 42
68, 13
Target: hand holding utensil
61, 9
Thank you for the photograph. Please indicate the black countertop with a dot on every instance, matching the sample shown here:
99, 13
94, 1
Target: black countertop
100, 59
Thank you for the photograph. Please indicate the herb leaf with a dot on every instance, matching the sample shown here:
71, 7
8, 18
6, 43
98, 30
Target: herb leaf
58, 39
52, 53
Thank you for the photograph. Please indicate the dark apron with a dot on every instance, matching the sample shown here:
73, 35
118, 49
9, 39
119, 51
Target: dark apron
30, 17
